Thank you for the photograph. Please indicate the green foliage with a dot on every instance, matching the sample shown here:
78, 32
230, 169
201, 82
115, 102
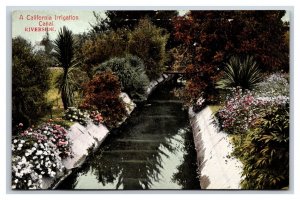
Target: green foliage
102, 93
64, 54
29, 84
148, 43
102, 47
131, 73
265, 152
129, 19
242, 73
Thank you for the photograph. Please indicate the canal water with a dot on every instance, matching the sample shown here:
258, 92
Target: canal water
154, 149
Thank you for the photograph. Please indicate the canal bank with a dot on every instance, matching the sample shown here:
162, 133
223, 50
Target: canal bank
153, 149
216, 167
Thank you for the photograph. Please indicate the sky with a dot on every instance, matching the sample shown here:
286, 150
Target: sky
24, 19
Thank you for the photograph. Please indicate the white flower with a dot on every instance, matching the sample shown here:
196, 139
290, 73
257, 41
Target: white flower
16, 180
52, 174
40, 176
13, 186
20, 145
15, 141
22, 141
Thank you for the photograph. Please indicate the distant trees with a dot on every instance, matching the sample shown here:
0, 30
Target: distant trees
146, 41
30, 82
149, 43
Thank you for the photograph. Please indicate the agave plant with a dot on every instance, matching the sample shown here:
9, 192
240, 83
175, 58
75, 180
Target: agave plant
64, 54
244, 73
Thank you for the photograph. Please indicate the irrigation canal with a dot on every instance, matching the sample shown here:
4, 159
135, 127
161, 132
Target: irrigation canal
154, 149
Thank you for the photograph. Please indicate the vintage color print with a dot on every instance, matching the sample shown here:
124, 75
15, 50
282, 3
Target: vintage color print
164, 100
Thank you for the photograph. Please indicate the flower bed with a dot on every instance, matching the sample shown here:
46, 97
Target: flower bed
259, 122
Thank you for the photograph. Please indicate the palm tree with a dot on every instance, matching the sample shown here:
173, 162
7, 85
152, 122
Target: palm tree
64, 54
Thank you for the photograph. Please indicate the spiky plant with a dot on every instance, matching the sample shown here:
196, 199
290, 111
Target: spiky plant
244, 73
64, 54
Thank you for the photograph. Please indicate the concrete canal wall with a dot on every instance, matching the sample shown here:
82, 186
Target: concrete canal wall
85, 139
216, 168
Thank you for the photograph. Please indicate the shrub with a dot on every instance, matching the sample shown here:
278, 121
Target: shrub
102, 93
29, 84
241, 73
239, 112
131, 73
96, 117
148, 43
76, 115
242, 110
265, 152
200, 104
53, 133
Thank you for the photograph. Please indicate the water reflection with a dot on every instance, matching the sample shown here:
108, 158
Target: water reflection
152, 151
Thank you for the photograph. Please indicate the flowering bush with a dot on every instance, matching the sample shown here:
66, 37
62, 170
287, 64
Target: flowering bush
32, 159
23, 174
200, 103
53, 133
96, 117
76, 115
242, 109
239, 112
274, 85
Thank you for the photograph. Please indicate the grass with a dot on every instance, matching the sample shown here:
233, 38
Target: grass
54, 99
214, 108
53, 95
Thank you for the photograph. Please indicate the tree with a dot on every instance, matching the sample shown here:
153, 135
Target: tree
212, 37
30, 82
148, 42
129, 19
46, 53
103, 47
64, 54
